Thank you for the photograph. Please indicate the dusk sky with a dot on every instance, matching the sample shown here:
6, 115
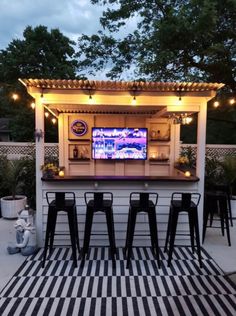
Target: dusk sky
72, 17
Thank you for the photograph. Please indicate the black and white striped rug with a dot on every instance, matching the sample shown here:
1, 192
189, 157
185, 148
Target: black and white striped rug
97, 288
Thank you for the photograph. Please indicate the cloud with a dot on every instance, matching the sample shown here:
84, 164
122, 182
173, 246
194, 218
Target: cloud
71, 17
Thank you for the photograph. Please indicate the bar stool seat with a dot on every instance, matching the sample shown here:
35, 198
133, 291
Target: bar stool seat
183, 202
217, 202
142, 202
99, 202
61, 202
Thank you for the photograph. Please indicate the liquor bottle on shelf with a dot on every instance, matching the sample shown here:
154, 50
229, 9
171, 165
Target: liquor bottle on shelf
75, 152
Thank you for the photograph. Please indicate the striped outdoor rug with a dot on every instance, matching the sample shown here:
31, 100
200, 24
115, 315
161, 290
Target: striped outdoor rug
99, 289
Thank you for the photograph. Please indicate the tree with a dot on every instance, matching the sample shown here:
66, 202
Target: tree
40, 54
173, 40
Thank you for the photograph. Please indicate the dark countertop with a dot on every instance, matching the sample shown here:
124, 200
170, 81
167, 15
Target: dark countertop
179, 178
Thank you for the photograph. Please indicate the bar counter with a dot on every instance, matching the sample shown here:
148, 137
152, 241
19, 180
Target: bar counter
178, 178
121, 187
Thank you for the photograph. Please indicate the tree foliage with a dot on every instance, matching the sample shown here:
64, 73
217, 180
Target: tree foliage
40, 54
187, 40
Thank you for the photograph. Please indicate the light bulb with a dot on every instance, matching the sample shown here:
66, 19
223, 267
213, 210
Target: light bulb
54, 120
32, 105
46, 114
90, 101
231, 101
179, 102
189, 120
15, 96
216, 104
133, 102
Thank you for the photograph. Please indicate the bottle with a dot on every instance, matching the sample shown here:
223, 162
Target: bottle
75, 152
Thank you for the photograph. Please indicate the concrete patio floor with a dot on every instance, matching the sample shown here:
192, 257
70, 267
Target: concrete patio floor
215, 244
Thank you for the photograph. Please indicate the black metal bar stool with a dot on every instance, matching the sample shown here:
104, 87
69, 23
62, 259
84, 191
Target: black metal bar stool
99, 202
65, 202
142, 202
188, 203
217, 202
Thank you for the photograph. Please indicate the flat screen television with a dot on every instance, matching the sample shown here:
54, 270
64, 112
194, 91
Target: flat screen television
119, 143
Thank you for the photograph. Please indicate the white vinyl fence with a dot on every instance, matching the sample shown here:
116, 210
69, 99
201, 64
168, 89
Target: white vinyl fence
16, 150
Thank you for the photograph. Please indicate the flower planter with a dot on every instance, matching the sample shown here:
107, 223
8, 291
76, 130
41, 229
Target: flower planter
48, 174
10, 207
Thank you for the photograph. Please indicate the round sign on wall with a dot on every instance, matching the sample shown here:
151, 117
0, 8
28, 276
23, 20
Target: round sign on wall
79, 127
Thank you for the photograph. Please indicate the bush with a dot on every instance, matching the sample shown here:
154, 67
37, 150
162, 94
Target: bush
213, 172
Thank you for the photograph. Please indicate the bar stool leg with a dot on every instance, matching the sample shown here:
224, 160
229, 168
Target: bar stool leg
213, 206
72, 236
153, 233
230, 212
76, 229
110, 229
87, 232
173, 225
53, 220
227, 228
195, 219
127, 233
224, 216
191, 229
133, 216
168, 230
205, 220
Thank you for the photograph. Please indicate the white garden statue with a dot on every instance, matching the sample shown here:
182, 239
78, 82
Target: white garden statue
25, 238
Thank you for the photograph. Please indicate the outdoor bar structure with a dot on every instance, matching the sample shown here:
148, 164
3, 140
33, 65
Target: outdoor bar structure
119, 137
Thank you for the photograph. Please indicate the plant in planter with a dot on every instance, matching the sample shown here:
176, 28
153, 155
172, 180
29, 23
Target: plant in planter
189, 153
49, 170
12, 174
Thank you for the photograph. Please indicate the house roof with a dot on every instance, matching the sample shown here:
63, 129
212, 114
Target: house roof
121, 85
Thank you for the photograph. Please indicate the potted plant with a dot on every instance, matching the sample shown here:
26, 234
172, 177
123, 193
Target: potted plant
49, 169
12, 180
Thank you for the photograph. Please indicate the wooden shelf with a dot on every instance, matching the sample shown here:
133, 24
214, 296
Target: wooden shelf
159, 140
79, 140
79, 159
159, 160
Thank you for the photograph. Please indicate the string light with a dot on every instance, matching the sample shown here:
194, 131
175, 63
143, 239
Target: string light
46, 114
134, 101
179, 94
90, 101
179, 100
42, 97
133, 92
15, 96
32, 105
231, 101
54, 120
216, 104
181, 118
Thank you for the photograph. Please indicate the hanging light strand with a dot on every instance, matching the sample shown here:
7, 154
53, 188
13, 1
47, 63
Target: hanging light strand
182, 118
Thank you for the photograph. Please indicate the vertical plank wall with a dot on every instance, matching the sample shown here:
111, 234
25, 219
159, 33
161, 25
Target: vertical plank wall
121, 191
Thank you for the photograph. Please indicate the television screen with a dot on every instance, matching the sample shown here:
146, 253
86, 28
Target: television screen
119, 143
